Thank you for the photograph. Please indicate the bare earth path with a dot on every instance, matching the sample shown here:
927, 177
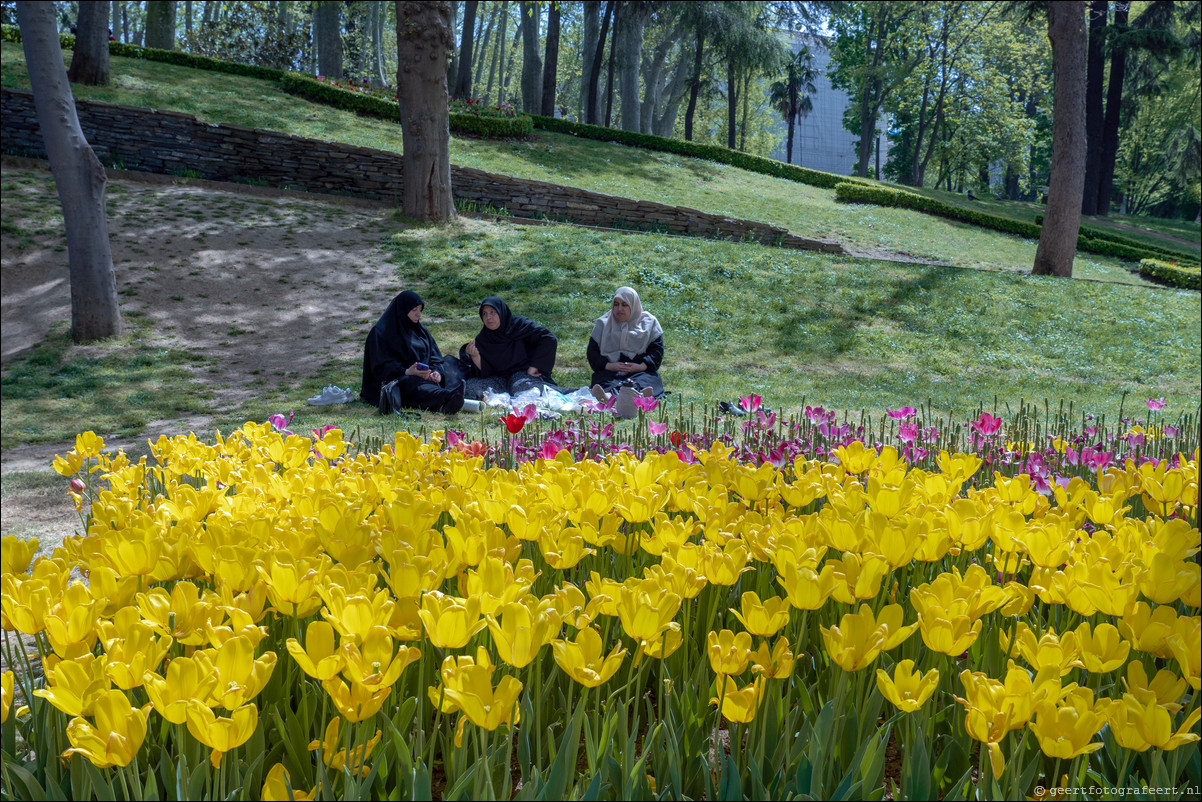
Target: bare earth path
276, 286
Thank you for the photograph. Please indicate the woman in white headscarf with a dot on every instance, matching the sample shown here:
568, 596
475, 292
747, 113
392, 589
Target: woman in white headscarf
625, 352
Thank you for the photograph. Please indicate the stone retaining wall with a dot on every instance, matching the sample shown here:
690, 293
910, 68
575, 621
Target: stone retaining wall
170, 142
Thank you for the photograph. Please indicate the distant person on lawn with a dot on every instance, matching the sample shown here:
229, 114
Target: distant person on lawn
510, 354
402, 366
625, 352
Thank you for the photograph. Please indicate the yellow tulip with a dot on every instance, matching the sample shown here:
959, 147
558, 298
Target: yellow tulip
994, 708
240, 675
729, 652
907, 690
1102, 649
277, 787
855, 577
495, 582
857, 641
665, 645
1066, 728
1164, 689
738, 704
450, 622
16, 553
804, 588
1148, 629
117, 735
855, 457
336, 758
139, 651
373, 663
762, 618
292, 582
1186, 645
643, 615
6, 694
723, 566
950, 635
320, 657
581, 659
1049, 651
1167, 578
467, 688
354, 615
186, 679
71, 624
1140, 724
565, 549
25, 602
777, 664
1049, 540
355, 701
75, 685
521, 630
221, 733
181, 614
685, 582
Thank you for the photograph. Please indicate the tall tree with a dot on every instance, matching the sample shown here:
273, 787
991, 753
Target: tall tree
532, 65
463, 79
160, 24
498, 51
551, 64
90, 58
1062, 217
1109, 145
488, 29
629, 19
424, 38
1095, 67
591, 12
594, 97
327, 29
700, 18
78, 176
792, 96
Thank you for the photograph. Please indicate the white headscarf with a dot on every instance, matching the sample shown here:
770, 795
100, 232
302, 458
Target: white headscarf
630, 338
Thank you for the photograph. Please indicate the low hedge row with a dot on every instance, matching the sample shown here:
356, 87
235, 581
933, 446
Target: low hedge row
888, 196
698, 150
12, 33
1101, 234
1174, 275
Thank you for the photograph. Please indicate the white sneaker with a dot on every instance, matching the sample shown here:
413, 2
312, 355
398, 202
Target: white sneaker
331, 395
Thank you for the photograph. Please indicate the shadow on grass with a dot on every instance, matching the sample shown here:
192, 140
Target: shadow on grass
572, 158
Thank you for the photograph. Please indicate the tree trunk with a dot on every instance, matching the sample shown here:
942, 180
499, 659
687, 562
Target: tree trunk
594, 80
792, 123
378, 44
463, 78
588, 48
424, 37
628, 41
498, 49
78, 176
609, 81
160, 24
532, 64
453, 67
1062, 217
665, 118
732, 101
1114, 104
90, 59
551, 65
1095, 67
327, 19
694, 86
115, 25
187, 18
502, 73
492, 25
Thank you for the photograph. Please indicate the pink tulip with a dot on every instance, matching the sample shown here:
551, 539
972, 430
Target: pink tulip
986, 424
907, 432
900, 414
751, 402
646, 403
656, 429
529, 413
1155, 404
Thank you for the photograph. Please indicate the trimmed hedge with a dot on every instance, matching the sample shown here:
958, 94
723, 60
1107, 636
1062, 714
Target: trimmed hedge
12, 33
1186, 277
1101, 234
888, 196
698, 150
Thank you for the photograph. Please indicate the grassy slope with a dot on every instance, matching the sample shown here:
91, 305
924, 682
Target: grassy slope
846, 333
804, 210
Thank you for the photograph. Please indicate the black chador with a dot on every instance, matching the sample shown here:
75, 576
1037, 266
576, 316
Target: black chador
507, 352
393, 345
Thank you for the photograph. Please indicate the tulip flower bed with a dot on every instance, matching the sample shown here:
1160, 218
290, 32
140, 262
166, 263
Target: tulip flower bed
761, 611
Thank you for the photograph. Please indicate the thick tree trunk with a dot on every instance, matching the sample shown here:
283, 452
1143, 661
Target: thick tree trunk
78, 175
115, 7
90, 59
424, 38
532, 65
594, 80
732, 100
160, 24
463, 79
665, 116
694, 85
327, 20
628, 40
551, 65
1095, 67
868, 109
588, 48
1114, 104
187, 18
1062, 217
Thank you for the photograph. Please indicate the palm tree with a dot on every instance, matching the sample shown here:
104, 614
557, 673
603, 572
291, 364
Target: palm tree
791, 97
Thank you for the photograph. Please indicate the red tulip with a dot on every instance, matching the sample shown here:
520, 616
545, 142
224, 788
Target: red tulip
513, 423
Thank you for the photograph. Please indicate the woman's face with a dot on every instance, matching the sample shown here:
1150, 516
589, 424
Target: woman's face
492, 320
621, 310
415, 314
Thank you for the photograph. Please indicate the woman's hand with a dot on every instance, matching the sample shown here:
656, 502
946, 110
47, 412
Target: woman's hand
533, 371
435, 377
626, 367
414, 370
473, 352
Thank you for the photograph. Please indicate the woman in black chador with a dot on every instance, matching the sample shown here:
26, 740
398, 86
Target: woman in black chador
510, 354
402, 366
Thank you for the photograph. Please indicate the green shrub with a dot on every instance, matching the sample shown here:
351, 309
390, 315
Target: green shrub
698, 150
1174, 275
1112, 245
12, 33
195, 62
1104, 235
492, 127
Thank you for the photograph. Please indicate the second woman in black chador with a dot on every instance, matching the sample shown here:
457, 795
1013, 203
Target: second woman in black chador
510, 354
397, 348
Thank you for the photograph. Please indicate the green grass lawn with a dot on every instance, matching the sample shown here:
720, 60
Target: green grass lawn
841, 332
630, 172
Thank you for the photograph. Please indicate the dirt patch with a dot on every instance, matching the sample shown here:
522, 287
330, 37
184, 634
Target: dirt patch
275, 285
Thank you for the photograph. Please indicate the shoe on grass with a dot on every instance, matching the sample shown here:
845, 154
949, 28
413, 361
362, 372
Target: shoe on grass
599, 394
